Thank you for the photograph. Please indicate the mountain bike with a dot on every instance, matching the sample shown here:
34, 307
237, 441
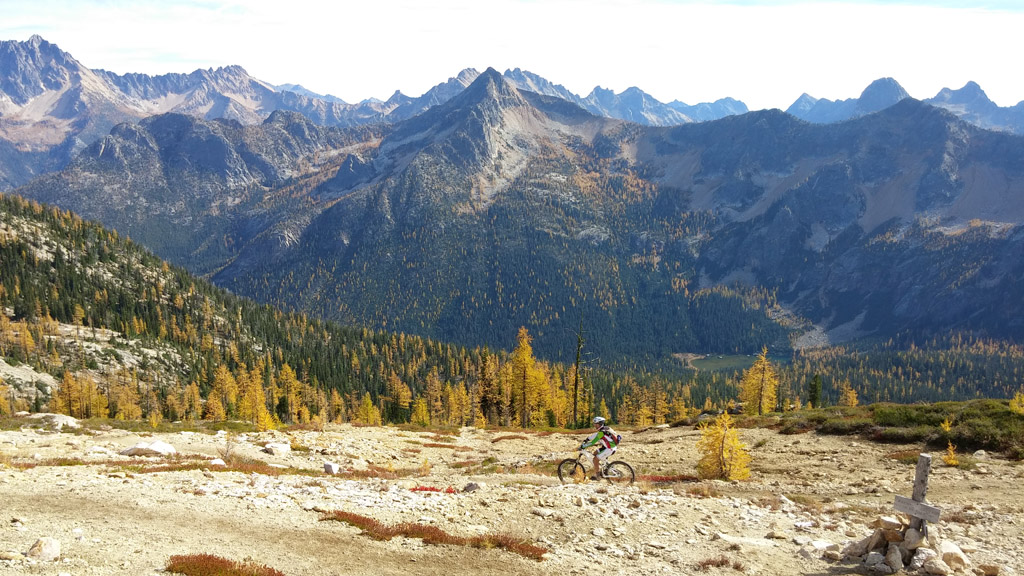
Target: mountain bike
578, 468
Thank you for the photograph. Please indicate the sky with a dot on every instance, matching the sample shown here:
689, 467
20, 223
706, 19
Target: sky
763, 52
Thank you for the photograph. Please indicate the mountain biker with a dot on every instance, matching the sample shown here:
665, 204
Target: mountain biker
608, 441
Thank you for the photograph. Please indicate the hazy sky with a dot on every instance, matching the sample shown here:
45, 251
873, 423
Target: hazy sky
763, 52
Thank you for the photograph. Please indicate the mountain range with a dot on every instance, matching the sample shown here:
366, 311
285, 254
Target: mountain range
500, 207
51, 106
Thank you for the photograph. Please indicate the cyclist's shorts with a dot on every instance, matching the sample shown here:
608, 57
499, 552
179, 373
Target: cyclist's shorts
604, 453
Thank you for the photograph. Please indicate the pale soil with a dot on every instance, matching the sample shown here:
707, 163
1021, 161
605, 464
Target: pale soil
109, 522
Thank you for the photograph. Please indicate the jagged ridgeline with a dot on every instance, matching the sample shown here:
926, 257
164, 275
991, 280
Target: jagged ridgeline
128, 335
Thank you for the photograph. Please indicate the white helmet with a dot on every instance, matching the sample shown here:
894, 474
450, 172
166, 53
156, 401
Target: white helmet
598, 421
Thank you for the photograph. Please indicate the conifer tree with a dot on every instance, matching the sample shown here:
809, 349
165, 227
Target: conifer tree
722, 455
814, 392
759, 385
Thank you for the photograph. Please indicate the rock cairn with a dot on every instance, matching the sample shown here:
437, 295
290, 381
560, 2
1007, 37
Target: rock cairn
894, 546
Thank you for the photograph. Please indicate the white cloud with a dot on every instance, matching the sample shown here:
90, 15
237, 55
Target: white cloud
764, 53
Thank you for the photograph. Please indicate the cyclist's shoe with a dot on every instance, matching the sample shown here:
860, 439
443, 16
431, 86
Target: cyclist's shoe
595, 478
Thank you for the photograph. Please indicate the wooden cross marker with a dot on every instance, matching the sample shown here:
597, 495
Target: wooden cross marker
915, 506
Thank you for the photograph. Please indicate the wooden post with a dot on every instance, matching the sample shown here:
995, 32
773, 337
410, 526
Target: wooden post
919, 512
924, 468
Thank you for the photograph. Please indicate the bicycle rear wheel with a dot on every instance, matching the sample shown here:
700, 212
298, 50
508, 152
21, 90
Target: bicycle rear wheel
619, 472
570, 470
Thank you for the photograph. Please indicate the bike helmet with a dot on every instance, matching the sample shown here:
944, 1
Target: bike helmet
598, 421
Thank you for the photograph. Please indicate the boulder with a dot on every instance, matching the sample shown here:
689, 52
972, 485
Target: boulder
936, 566
873, 559
57, 421
990, 569
277, 448
953, 556
45, 550
218, 462
921, 555
157, 448
331, 468
472, 487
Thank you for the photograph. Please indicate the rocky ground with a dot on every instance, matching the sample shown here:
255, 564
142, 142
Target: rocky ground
810, 498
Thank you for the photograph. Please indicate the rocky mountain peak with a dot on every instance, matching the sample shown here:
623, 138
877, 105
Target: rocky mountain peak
879, 95
491, 87
971, 93
34, 67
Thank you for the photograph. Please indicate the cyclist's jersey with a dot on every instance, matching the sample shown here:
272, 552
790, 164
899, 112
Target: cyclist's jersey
606, 437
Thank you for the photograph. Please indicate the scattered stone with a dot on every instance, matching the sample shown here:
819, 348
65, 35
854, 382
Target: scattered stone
542, 512
989, 569
11, 556
218, 462
472, 487
777, 535
45, 550
157, 448
331, 468
599, 532
980, 454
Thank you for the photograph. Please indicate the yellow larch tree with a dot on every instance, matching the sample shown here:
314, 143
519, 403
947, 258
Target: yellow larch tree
722, 455
847, 395
759, 385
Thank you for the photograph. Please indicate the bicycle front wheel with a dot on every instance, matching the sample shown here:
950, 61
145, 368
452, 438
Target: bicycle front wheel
570, 470
619, 472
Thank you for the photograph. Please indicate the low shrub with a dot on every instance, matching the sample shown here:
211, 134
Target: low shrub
905, 456
210, 565
508, 437
434, 535
846, 426
667, 479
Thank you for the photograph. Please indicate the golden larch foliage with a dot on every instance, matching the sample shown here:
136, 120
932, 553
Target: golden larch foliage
722, 455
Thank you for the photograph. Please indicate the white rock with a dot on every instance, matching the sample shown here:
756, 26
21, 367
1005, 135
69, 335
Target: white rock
599, 532
218, 462
921, 555
57, 421
157, 448
331, 468
277, 448
989, 569
542, 512
45, 550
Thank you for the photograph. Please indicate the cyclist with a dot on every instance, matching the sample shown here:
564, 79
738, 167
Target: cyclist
606, 438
